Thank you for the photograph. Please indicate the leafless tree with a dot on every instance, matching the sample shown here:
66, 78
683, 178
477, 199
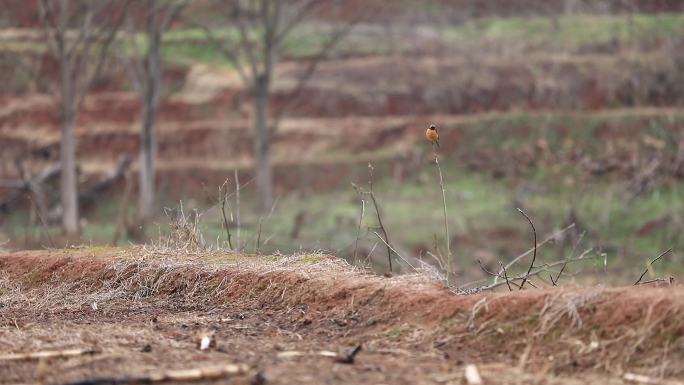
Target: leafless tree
145, 71
78, 34
255, 49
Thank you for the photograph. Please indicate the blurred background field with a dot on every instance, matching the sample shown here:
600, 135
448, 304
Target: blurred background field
570, 110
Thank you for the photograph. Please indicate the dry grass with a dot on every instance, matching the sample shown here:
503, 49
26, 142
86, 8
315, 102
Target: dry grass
597, 329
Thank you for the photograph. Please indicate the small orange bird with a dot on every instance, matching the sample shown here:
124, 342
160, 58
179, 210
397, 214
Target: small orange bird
432, 135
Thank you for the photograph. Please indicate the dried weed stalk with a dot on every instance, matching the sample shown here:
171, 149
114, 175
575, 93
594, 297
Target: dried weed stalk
446, 217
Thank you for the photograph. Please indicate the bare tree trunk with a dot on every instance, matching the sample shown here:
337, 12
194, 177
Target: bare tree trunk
262, 26
148, 153
262, 144
148, 142
69, 182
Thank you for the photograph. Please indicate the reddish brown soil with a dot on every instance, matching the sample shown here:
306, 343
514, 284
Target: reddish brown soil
153, 307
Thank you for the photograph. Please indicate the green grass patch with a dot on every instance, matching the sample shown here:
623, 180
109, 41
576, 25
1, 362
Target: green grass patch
570, 30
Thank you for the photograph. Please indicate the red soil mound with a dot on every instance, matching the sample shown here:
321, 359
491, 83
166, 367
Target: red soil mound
564, 330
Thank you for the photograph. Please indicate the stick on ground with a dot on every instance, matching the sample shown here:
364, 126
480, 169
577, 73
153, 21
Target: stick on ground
46, 354
542, 243
185, 375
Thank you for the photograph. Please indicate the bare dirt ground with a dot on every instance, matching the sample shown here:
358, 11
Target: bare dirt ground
144, 310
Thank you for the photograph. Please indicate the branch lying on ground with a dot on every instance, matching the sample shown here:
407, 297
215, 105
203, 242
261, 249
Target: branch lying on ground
641, 379
198, 374
648, 267
505, 274
579, 240
47, 354
342, 358
92, 193
533, 273
542, 243
47, 174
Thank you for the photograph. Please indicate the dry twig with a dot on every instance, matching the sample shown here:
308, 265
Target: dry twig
395, 252
542, 243
648, 267
185, 375
555, 281
377, 212
47, 354
534, 255
641, 379
223, 196
358, 230
505, 276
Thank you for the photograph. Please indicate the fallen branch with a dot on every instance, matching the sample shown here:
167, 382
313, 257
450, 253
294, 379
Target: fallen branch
91, 194
197, 374
654, 280
535, 272
47, 354
641, 379
347, 358
542, 243
555, 281
47, 174
648, 267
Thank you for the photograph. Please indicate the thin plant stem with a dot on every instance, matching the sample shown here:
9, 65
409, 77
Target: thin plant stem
237, 211
358, 231
534, 254
446, 217
377, 212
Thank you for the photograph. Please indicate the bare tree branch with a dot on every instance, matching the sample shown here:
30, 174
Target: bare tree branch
534, 255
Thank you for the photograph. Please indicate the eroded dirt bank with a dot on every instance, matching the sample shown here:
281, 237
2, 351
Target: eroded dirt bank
145, 310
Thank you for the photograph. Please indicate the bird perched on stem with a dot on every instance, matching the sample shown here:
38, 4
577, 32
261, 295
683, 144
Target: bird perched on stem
432, 135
